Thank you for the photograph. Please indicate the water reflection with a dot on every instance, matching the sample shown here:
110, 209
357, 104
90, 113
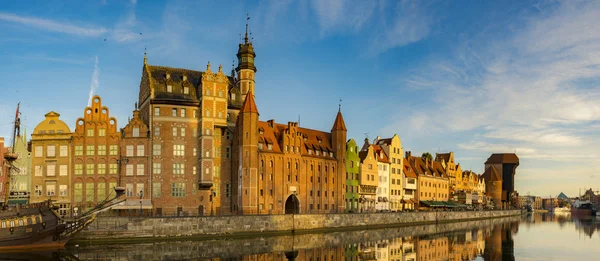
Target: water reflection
532, 237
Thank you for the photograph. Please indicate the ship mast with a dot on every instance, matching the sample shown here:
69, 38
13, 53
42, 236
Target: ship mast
11, 156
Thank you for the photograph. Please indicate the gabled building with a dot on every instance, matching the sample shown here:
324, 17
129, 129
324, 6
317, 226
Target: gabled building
433, 183
284, 168
454, 172
352, 176
95, 154
51, 163
409, 196
393, 149
135, 169
368, 181
21, 180
383, 188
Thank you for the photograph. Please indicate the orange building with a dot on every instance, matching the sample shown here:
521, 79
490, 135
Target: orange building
95, 156
283, 168
433, 183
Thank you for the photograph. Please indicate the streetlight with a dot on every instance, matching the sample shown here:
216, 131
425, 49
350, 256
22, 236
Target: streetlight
141, 195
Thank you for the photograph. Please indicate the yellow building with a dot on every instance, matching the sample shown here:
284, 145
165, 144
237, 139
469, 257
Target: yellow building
368, 180
433, 183
51, 162
454, 172
393, 149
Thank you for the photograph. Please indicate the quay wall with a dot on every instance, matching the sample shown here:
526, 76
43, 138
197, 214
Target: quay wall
238, 247
123, 229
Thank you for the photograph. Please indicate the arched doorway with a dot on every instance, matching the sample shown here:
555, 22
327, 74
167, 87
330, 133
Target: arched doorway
292, 205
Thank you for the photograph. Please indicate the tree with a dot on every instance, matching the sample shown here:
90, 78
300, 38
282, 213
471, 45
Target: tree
427, 155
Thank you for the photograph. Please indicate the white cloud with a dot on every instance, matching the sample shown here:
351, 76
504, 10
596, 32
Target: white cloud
54, 26
123, 31
342, 15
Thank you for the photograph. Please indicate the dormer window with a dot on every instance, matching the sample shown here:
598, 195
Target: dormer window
261, 131
185, 78
233, 96
310, 152
270, 146
331, 154
169, 88
186, 90
305, 139
319, 140
168, 76
260, 145
317, 153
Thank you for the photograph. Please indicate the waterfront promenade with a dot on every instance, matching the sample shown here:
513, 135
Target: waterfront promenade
123, 229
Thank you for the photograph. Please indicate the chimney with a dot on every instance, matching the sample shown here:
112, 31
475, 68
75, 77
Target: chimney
270, 122
407, 154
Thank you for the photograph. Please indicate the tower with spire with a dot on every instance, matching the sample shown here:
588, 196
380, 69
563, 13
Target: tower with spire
246, 68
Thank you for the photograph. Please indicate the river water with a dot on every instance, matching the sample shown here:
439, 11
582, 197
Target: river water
531, 237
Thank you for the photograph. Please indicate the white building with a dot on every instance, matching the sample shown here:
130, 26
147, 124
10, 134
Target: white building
383, 187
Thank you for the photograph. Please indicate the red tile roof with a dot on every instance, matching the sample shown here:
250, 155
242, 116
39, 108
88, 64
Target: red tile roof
408, 170
249, 104
339, 122
273, 135
492, 174
380, 154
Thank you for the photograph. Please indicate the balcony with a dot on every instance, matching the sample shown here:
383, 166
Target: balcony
410, 183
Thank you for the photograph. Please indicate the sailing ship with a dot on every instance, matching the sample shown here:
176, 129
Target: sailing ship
38, 225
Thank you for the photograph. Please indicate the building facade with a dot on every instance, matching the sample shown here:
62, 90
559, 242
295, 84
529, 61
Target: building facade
3, 168
455, 174
393, 149
95, 149
433, 183
21, 179
134, 170
506, 165
368, 181
284, 168
409, 199
352, 176
51, 162
383, 188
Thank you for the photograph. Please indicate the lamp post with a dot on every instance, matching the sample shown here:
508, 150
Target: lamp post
141, 195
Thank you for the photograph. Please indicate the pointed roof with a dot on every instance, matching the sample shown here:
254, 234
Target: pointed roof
339, 122
492, 174
500, 158
562, 196
249, 104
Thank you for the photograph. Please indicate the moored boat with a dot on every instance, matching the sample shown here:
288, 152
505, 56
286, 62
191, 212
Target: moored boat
583, 208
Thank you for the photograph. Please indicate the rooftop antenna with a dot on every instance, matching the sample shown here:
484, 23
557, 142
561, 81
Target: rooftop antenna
246, 37
340, 105
366, 135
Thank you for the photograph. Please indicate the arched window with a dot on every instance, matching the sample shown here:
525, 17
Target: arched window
289, 165
271, 164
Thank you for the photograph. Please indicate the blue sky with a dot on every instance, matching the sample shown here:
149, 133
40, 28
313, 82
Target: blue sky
473, 77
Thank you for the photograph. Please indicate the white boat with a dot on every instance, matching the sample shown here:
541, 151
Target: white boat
563, 209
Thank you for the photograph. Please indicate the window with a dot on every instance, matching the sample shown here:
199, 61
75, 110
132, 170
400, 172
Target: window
129, 170
156, 131
90, 132
51, 170
129, 149
140, 170
156, 148
156, 168
195, 113
38, 190
78, 192
64, 151
114, 150
178, 150
178, 190
50, 190
78, 169
78, 150
102, 132
62, 190
227, 151
51, 151
194, 151
101, 169
38, 171
139, 189
174, 131
112, 168
178, 168
186, 90
136, 132
129, 190
174, 112
156, 111
140, 150
220, 115
156, 189
194, 170
89, 150
62, 170
101, 150
182, 132
101, 191
89, 169
208, 154
182, 113
169, 88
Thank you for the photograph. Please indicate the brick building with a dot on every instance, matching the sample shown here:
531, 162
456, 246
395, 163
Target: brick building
95, 150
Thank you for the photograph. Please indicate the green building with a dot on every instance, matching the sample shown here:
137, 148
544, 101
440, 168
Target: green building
20, 180
352, 170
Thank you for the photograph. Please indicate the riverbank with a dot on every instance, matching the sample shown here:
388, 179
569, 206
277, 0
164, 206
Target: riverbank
123, 230
307, 245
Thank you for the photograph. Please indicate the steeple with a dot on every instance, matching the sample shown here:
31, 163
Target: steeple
249, 105
339, 124
245, 68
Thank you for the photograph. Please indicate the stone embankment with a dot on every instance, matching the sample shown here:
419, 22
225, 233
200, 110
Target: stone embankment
234, 248
118, 229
